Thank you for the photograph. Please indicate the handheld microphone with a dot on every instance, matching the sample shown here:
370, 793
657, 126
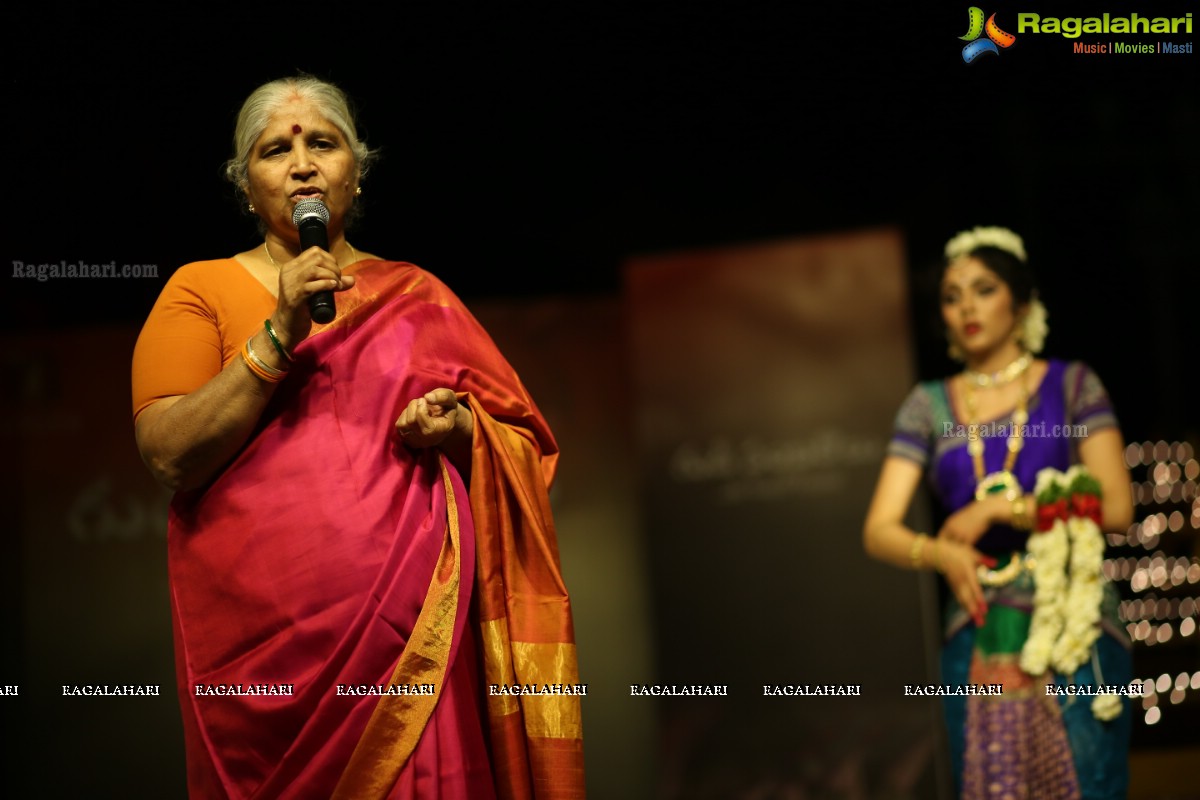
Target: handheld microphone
310, 217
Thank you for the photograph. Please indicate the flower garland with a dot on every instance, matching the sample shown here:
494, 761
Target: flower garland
1049, 549
1068, 552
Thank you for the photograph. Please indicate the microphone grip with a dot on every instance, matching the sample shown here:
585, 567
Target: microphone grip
320, 305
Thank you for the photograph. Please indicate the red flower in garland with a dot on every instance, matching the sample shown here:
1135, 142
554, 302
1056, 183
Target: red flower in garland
1086, 505
1047, 513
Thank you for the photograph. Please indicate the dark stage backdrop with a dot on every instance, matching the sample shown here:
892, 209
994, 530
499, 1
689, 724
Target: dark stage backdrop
87, 601
766, 380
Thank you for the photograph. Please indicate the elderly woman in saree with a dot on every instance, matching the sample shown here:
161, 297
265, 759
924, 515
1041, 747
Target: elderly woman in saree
360, 543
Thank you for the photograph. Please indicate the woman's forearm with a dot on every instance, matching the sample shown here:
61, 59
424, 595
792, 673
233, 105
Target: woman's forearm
186, 440
896, 544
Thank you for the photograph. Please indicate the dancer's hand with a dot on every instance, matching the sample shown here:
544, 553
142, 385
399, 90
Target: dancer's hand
959, 563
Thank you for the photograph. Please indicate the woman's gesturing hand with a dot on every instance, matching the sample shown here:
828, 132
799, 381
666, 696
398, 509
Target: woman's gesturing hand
436, 419
959, 564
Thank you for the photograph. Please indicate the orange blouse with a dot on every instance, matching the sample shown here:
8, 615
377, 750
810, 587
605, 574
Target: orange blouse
206, 312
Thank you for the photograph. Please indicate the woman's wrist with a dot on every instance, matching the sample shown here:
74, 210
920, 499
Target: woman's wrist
925, 553
277, 341
996, 509
266, 352
288, 338
262, 366
916, 551
458, 443
1018, 513
464, 428
1022, 512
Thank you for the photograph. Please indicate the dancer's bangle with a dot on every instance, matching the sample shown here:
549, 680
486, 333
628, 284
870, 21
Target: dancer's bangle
917, 550
1022, 514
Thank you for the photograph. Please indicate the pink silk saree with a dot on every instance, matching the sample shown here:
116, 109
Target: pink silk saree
330, 558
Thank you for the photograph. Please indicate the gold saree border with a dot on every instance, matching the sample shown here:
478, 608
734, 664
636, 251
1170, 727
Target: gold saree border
398, 721
525, 617
507, 663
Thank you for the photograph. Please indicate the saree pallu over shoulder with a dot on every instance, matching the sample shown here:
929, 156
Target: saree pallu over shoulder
329, 558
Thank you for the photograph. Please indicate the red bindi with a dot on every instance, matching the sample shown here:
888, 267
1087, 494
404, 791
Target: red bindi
296, 128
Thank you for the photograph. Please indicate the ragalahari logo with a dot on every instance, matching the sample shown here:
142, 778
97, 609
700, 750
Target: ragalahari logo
976, 27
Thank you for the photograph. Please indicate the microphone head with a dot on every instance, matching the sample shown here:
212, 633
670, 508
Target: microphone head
310, 208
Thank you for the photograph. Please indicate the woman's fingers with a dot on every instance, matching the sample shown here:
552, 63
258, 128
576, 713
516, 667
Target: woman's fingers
445, 398
975, 589
324, 283
961, 572
311, 272
425, 423
314, 270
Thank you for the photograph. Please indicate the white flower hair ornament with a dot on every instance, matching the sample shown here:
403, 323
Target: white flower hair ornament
1000, 238
1033, 329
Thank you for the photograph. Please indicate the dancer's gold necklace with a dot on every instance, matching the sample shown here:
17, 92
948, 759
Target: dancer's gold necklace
1004, 480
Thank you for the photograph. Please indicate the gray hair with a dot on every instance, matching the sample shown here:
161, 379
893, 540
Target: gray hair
331, 103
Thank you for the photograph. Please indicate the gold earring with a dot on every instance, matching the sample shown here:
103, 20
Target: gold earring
358, 191
953, 350
250, 207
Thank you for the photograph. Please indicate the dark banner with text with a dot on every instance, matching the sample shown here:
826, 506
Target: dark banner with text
766, 378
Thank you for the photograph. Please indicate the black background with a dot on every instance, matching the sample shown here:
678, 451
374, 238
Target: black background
530, 151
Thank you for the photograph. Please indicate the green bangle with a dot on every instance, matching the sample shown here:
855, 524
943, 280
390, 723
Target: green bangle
275, 341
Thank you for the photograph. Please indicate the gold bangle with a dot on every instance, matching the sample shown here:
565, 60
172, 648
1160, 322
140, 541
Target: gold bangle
1003, 576
1022, 516
917, 550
